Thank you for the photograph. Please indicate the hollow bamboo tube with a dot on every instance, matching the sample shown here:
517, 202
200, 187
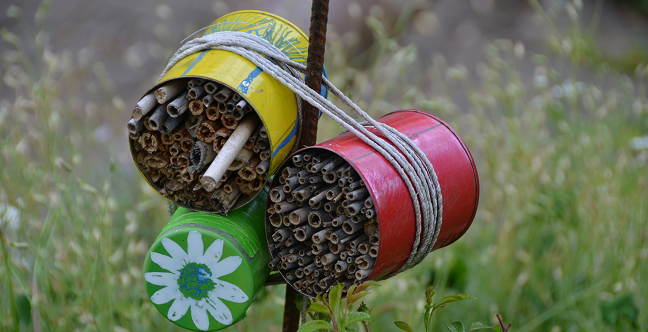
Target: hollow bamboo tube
238, 114
212, 113
304, 232
359, 194
317, 218
329, 258
373, 251
223, 94
158, 117
196, 93
298, 160
357, 241
207, 100
353, 209
283, 207
241, 159
167, 139
211, 87
363, 248
171, 124
364, 262
228, 152
149, 141
277, 195
265, 154
169, 90
207, 131
178, 106
263, 166
351, 227
299, 216
318, 248
135, 127
362, 274
201, 155
275, 220
320, 236
229, 122
144, 106
305, 260
359, 218
334, 248
196, 107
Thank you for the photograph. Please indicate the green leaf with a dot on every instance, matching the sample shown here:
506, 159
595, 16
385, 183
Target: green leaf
318, 307
366, 285
356, 297
315, 325
429, 293
403, 326
453, 298
481, 326
363, 308
456, 326
358, 316
351, 290
497, 328
335, 296
622, 307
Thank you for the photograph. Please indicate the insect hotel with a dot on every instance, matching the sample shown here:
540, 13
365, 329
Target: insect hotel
218, 137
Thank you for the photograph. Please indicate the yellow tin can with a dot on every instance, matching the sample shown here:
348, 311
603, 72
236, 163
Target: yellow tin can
275, 104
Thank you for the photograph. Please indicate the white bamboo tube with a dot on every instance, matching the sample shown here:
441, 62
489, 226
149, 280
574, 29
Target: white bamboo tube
228, 153
144, 106
135, 126
169, 90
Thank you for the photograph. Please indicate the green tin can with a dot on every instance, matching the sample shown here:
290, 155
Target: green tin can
204, 269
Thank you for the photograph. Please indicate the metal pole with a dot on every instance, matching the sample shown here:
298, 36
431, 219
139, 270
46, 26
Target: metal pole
314, 70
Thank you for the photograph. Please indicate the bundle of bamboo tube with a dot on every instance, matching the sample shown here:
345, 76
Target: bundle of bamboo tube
200, 144
322, 226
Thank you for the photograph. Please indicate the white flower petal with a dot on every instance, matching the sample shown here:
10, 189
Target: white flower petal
161, 278
199, 316
178, 308
165, 295
228, 291
174, 250
219, 311
213, 253
226, 266
194, 246
166, 262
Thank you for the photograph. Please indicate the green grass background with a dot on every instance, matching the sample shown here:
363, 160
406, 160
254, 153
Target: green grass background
559, 243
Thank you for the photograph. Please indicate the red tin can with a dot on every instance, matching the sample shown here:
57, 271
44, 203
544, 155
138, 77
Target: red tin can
452, 162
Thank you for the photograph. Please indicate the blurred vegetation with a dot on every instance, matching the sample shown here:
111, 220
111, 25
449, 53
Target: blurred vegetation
559, 243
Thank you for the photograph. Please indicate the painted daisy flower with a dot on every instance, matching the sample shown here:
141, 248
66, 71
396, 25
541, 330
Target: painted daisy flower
192, 281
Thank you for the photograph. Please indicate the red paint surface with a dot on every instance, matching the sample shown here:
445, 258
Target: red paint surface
453, 165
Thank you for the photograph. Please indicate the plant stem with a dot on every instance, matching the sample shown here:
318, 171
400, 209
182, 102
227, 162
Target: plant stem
501, 321
14, 307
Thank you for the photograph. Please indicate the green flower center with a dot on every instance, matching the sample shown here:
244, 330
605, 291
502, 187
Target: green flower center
195, 281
